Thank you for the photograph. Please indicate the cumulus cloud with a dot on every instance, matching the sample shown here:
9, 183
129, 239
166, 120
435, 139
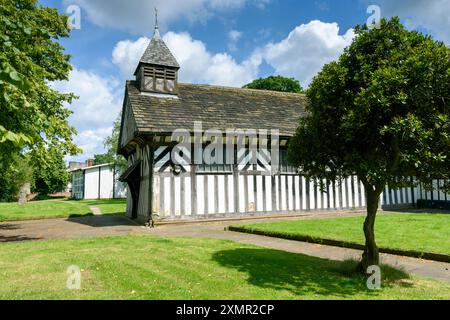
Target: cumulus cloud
430, 15
137, 15
99, 103
304, 52
301, 55
127, 53
91, 142
233, 38
198, 65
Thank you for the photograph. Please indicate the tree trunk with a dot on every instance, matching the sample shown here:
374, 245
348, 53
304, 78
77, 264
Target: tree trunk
371, 254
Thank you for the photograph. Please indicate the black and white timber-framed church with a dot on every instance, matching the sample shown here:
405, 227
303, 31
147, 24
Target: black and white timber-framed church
156, 106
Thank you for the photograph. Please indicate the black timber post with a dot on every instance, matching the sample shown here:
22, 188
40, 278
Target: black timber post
236, 182
193, 180
114, 182
439, 189
99, 181
151, 160
413, 196
84, 184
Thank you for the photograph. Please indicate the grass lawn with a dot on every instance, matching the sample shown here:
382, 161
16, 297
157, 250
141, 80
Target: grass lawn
159, 268
419, 232
60, 208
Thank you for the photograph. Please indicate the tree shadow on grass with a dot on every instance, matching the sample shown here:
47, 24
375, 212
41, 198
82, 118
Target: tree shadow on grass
304, 275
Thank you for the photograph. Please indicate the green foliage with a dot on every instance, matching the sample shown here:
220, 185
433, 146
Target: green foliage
103, 159
112, 144
32, 115
15, 172
381, 111
44, 169
50, 172
276, 83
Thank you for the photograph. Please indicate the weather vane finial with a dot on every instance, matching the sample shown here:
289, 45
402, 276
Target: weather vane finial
156, 35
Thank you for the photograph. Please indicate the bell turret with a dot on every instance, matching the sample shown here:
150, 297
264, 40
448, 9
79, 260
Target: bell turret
157, 71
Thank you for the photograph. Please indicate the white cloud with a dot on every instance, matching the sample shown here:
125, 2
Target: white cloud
306, 50
431, 15
99, 103
198, 65
126, 55
137, 15
301, 55
91, 142
233, 38
322, 5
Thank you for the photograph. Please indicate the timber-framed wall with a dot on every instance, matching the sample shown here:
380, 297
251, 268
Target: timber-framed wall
242, 191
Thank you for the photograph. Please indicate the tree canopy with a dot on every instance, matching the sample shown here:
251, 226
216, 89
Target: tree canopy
33, 118
381, 112
14, 174
112, 144
276, 83
50, 175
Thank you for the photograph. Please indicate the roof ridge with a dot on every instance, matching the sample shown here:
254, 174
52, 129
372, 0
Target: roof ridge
242, 89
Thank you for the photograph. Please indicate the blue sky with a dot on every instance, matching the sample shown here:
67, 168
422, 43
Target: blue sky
257, 25
220, 42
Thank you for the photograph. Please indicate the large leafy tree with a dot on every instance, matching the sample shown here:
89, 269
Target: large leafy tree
276, 83
14, 174
380, 112
50, 173
111, 144
32, 114
104, 158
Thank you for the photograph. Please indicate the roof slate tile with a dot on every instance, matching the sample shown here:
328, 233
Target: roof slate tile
216, 107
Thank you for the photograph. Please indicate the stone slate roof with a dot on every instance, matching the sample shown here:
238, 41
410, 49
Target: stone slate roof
217, 107
158, 53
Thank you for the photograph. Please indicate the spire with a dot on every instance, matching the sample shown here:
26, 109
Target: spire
157, 52
156, 34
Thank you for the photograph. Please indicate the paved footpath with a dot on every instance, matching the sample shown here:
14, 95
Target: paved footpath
95, 211
70, 228
100, 226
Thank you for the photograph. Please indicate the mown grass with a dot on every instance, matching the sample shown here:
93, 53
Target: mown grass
59, 208
159, 268
415, 232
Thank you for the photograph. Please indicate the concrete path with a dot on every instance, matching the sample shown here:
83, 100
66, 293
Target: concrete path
100, 226
96, 211
70, 228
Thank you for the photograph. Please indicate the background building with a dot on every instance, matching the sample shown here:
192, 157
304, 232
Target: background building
96, 182
156, 106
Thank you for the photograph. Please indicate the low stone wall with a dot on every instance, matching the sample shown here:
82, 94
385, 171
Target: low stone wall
433, 204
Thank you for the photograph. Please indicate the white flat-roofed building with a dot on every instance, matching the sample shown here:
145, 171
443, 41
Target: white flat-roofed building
97, 182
